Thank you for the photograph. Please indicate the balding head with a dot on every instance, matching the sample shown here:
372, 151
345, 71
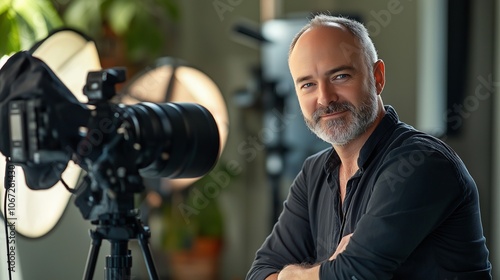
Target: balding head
363, 44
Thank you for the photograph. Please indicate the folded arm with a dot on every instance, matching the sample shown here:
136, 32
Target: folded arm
404, 209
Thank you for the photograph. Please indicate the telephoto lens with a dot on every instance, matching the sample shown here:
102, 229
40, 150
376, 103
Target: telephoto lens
177, 140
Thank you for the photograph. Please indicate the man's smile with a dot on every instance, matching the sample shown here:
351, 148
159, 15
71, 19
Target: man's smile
333, 114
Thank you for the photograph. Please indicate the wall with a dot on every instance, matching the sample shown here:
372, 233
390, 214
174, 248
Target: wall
495, 216
474, 144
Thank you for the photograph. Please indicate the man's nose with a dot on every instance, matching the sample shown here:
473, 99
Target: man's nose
327, 94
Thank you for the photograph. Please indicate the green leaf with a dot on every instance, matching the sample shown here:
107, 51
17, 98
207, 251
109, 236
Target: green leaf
26, 22
120, 15
143, 40
27, 32
4, 6
140, 22
35, 15
211, 221
8, 27
170, 8
51, 17
84, 15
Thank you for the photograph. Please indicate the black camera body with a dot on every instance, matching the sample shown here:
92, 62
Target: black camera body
115, 144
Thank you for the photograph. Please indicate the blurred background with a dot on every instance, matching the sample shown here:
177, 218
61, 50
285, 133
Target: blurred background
442, 69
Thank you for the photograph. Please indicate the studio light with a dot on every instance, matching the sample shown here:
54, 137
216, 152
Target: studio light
70, 55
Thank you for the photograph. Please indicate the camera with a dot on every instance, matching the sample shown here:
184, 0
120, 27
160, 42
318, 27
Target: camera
115, 144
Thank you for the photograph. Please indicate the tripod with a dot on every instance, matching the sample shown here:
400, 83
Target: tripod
118, 228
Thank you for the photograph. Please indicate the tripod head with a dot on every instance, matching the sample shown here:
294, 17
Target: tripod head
111, 208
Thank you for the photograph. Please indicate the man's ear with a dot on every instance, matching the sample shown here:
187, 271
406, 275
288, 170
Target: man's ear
379, 75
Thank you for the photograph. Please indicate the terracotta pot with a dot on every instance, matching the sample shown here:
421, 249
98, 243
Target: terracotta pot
200, 262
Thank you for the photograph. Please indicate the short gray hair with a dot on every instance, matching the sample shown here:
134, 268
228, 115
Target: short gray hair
357, 29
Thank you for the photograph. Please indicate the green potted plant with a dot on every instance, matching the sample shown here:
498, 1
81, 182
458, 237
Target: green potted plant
193, 234
142, 26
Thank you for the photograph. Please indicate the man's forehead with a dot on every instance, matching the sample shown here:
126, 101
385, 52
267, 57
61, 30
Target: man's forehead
334, 38
328, 30
323, 50
333, 25
331, 36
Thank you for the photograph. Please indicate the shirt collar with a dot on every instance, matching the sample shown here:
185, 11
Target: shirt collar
387, 123
379, 134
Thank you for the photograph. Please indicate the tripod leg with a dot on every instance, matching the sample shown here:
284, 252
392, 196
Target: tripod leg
93, 253
142, 238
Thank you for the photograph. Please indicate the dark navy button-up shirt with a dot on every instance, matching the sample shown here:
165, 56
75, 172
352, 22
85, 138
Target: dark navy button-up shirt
412, 205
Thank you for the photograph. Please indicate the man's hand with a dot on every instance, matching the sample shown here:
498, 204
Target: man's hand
343, 243
299, 272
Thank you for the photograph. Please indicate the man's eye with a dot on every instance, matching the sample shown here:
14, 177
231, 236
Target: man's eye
306, 85
341, 76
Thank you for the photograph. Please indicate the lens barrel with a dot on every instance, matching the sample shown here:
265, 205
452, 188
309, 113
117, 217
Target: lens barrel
177, 140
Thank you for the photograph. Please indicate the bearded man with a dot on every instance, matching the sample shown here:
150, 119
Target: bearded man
385, 201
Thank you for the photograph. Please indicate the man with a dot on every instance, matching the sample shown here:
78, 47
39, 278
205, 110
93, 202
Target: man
386, 201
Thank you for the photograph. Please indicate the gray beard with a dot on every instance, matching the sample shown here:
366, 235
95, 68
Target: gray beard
340, 131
